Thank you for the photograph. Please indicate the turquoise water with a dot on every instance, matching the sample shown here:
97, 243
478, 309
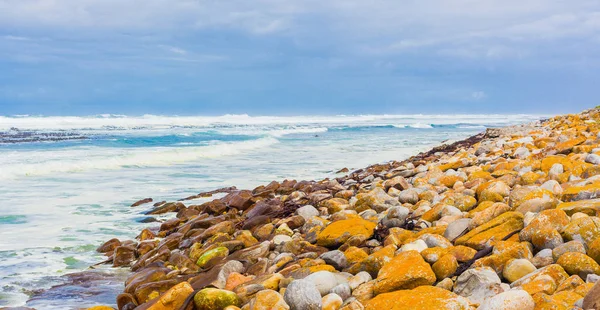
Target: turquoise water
60, 200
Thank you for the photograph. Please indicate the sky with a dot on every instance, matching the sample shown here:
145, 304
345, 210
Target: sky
310, 57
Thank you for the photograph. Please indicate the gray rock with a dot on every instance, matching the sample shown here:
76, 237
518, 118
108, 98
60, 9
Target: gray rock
343, 290
358, 279
592, 299
398, 212
521, 153
592, 278
307, 212
456, 228
593, 159
335, 258
409, 196
324, 281
302, 295
478, 284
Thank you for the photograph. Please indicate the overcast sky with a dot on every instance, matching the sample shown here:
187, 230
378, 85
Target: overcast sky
274, 57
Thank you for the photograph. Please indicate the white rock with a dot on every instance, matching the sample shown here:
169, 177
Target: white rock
302, 295
478, 284
358, 279
307, 212
456, 228
553, 186
324, 281
521, 153
280, 239
510, 300
417, 245
592, 159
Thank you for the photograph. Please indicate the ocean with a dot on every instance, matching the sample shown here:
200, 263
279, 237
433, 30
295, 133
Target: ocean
67, 183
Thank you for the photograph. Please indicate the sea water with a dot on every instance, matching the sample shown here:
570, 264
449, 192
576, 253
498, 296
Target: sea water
61, 199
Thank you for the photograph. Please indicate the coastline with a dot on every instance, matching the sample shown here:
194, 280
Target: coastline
362, 230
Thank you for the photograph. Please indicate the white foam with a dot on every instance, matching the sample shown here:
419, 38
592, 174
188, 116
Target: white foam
420, 125
21, 164
112, 122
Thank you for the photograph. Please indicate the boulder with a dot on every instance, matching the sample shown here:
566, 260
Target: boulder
420, 298
405, 271
302, 295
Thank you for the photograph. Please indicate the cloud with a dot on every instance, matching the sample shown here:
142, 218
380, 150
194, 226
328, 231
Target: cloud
174, 49
478, 95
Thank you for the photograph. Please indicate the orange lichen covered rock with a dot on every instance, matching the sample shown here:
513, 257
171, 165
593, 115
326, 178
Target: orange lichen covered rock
420, 298
547, 219
576, 263
173, 298
340, 231
588, 206
496, 229
575, 193
405, 271
586, 229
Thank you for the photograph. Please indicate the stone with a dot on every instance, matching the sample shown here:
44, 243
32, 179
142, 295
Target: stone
173, 298
405, 271
488, 214
554, 218
280, 239
123, 256
417, 245
516, 269
571, 246
302, 295
493, 191
335, 258
592, 299
457, 228
331, 301
268, 300
376, 199
408, 196
496, 229
109, 246
584, 229
593, 159
445, 267
212, 255
307, 212
339, 232
358, 279
420, 298
510, 300
478, 284
215, 299
576, 263
324, 281
343, 290
232, 266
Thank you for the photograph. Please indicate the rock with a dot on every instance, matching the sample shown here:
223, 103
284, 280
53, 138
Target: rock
417, 245
592, 159
405, 271
445, 267
420, 298
457, 228
323, 280
335, 258
212, 255
584, 229
215, 299
340, 231
398, 212
173, 298
331, 301
494, 191
585, 192
230, 267
240, 200
543, 258
547, 219
576, 263
376, 199
571, 246
109, 245
496, 229
268, 300
141, 202
547, 238
409, 196
302, 295
516, 269
478, 284
123, 256
592, 299
343, 290
488, 214
510, 300
280, 239
358, 279
307, 211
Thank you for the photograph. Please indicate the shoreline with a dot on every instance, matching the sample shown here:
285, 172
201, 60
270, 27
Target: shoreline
253, 245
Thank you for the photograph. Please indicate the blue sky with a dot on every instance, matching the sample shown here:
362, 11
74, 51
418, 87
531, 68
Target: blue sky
81, 57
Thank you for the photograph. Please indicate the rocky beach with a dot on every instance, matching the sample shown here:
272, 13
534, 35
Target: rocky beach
506, 219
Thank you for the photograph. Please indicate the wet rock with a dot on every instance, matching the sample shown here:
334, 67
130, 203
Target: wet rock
109, 246
302, 295
123, 256
167, 207
141, 202
174, 298
215, 299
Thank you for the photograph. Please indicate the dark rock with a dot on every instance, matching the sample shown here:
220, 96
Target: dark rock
109, 245
141, 202
123, 256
